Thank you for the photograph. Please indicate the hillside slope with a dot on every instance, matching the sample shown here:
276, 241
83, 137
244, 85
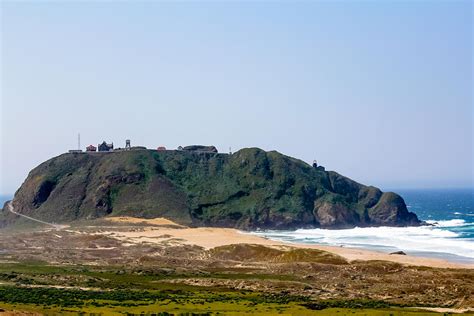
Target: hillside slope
249, 189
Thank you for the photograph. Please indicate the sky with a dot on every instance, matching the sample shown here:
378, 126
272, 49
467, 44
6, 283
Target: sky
377, 91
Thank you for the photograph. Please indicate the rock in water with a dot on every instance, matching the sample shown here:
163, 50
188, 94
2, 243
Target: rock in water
398, 253
249, 189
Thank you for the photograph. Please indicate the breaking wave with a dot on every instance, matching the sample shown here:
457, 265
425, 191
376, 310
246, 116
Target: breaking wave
442, 239
449, 223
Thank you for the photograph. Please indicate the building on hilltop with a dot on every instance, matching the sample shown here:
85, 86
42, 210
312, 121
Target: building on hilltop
201, 149
91, 148
105, 147
318, 167
161, 148
78, 150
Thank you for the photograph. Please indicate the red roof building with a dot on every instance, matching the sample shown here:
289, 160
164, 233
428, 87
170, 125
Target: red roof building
161, 148
91, 148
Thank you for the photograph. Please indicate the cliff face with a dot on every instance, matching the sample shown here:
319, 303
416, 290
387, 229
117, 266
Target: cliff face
249, 189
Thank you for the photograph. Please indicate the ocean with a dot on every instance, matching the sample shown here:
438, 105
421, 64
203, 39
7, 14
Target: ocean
451, 211
4, 198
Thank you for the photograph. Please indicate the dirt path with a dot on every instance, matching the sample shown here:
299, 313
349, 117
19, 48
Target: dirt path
55, 226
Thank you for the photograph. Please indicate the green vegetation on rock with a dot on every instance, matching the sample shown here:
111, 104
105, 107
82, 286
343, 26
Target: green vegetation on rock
248, 190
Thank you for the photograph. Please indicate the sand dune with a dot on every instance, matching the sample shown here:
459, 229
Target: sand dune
134, 220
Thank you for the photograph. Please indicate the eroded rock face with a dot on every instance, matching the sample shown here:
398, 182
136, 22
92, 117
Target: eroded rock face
391, 210
250, 189
335, 215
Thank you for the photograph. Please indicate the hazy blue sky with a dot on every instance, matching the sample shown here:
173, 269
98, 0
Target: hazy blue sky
378, 91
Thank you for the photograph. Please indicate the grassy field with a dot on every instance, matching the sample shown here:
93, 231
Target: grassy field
230, 309
74, 290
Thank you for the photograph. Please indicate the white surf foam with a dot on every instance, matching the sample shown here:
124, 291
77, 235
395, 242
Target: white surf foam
448, 223
434, 239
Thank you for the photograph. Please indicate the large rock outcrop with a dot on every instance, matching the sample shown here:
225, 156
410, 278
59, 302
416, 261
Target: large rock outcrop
248, 190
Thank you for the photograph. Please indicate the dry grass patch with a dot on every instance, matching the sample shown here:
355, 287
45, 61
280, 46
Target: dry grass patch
259, 253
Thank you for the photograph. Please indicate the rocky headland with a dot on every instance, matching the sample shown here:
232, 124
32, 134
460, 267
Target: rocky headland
250, 189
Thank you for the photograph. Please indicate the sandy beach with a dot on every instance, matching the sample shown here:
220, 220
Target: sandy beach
159, 230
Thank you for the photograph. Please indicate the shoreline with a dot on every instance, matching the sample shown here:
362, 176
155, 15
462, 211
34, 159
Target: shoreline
353, 254
443, 256
161, 230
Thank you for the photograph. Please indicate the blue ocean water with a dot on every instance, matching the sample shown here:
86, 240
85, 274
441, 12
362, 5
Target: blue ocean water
451, 236
4, 198
453, 205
